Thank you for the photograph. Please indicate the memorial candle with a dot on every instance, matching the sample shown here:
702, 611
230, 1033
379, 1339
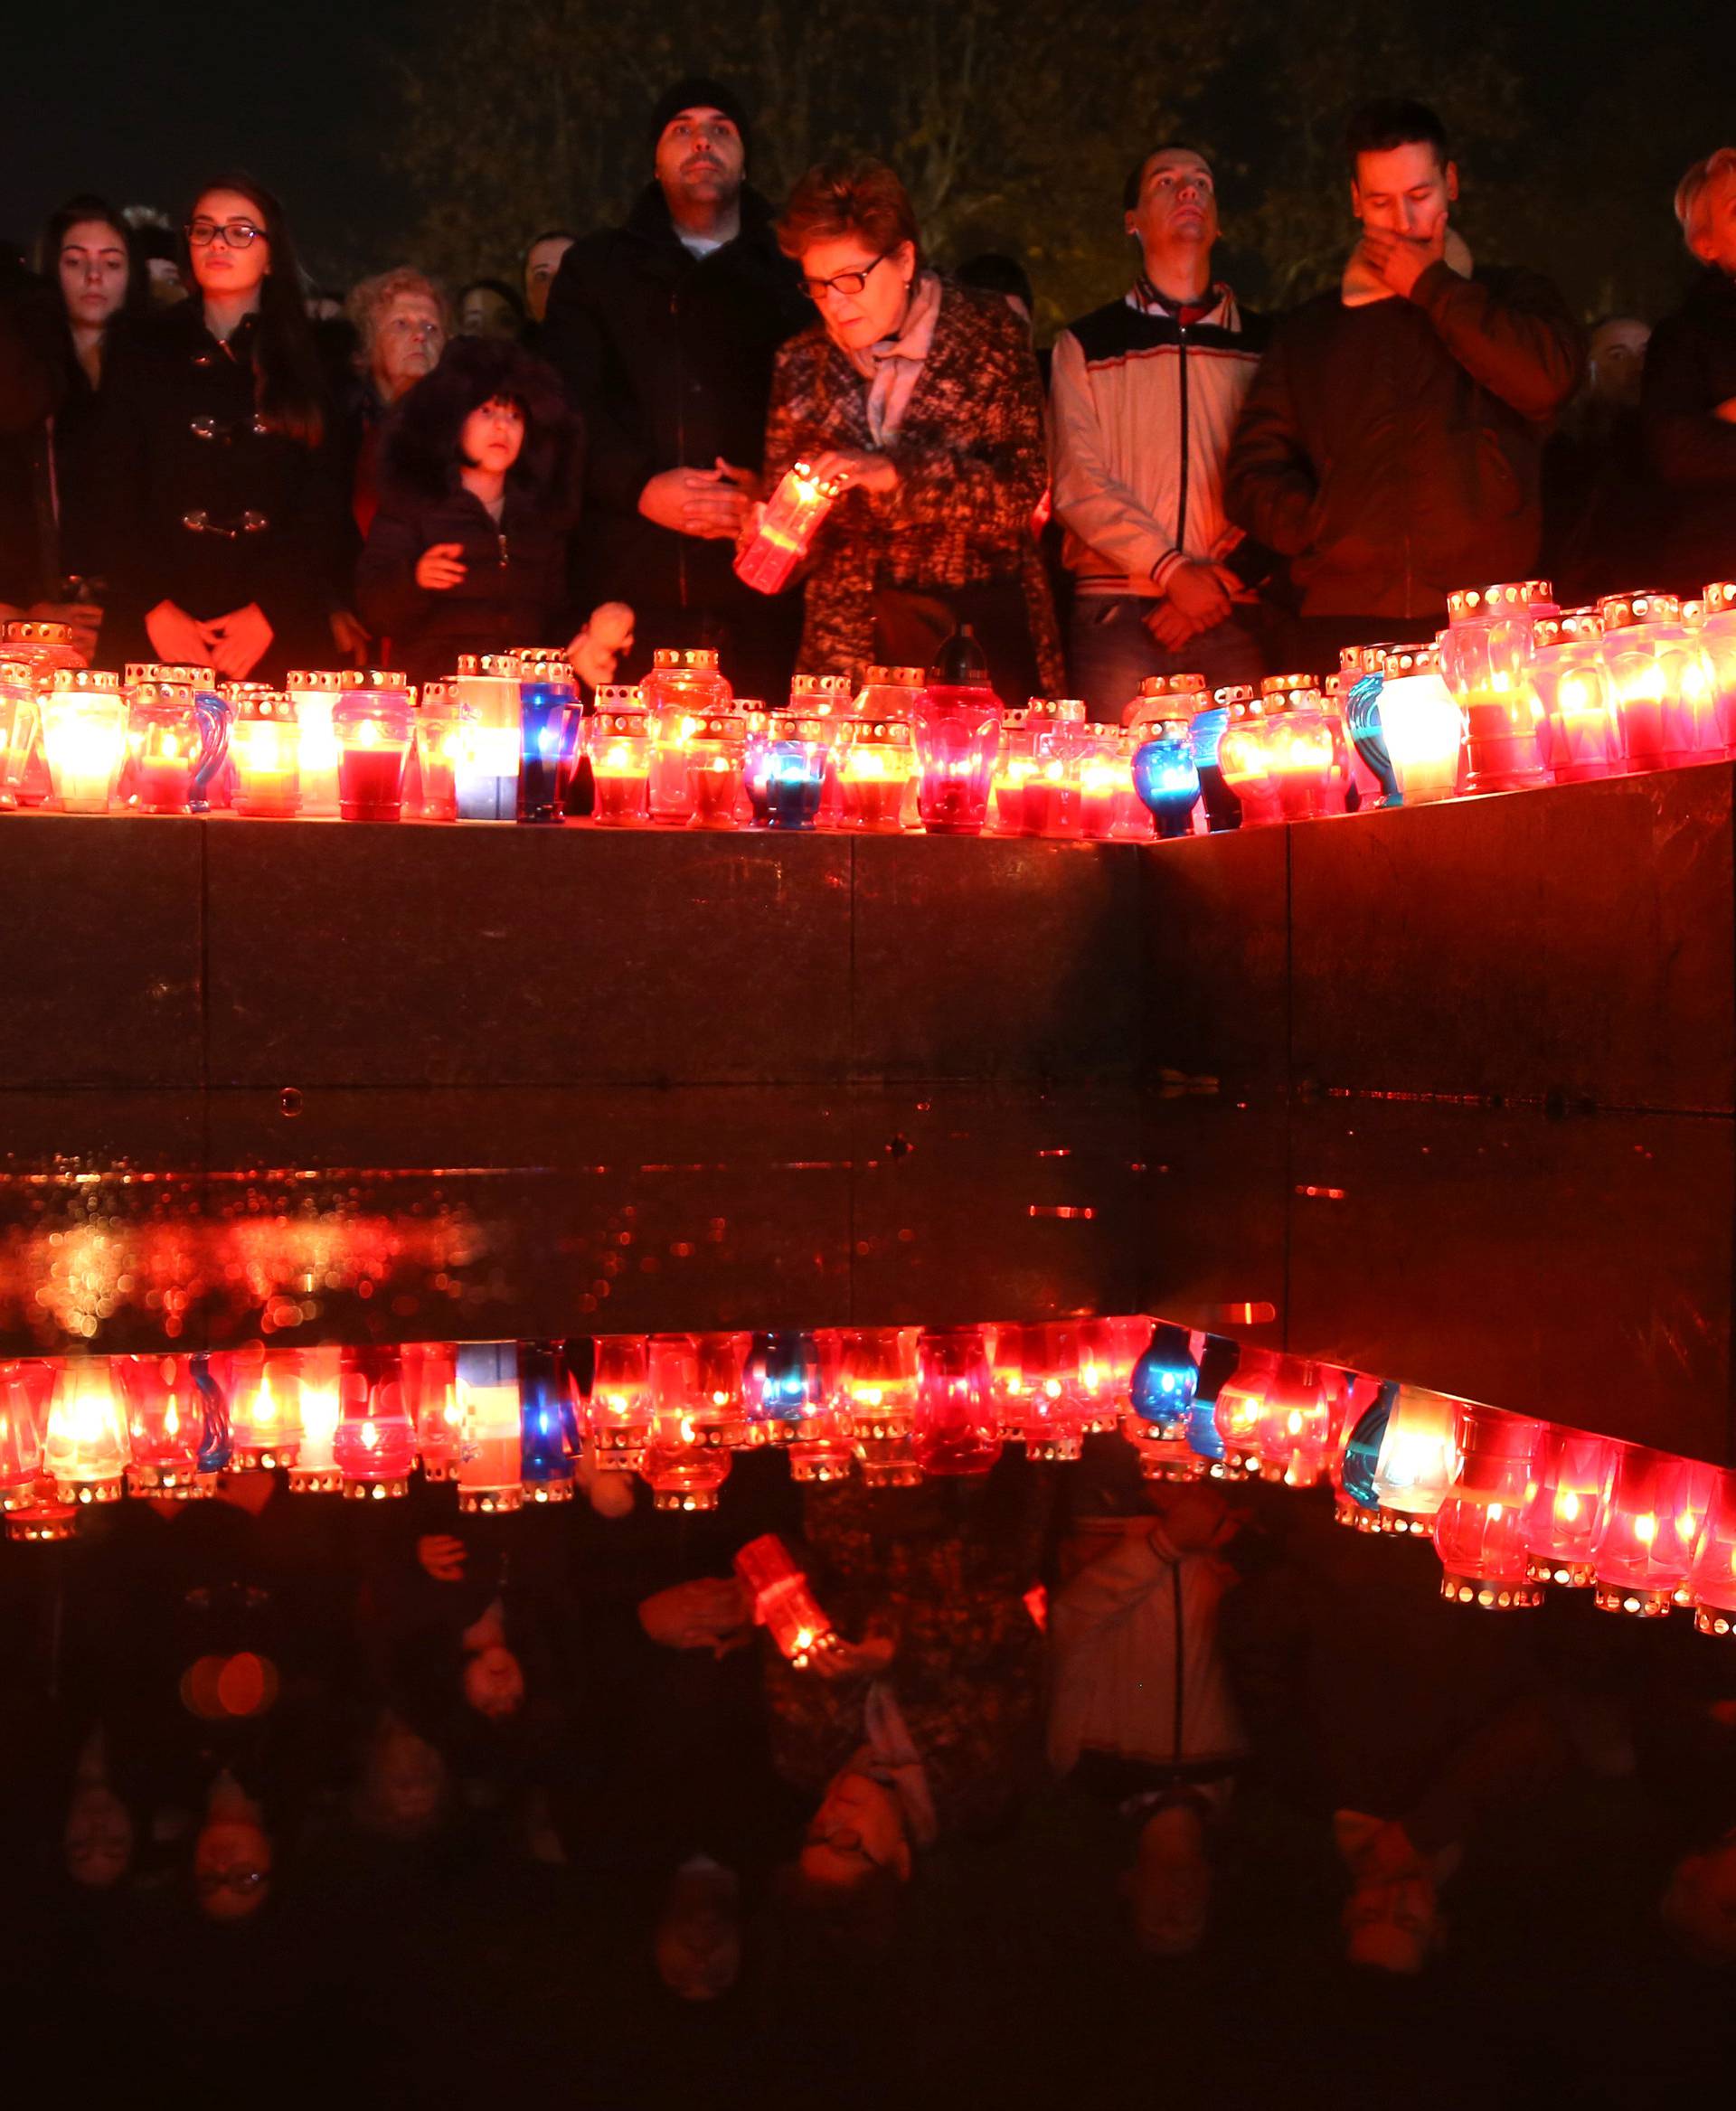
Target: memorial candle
1166, 777
440, 747
1483, 655
794, 759
84, 738
1579, 732
164, 736
957, 729
490, 1475
1308, 759
1422, 727
787, 525
265, 746
486, 773
1241, 759
1718, 642
547, 706
875, 768
315, 696
373, 728
616, 737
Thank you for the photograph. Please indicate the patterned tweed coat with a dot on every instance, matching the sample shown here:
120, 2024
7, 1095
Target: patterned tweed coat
972, 467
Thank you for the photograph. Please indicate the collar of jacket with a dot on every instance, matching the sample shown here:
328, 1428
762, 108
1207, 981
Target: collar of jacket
650, 221
183, 325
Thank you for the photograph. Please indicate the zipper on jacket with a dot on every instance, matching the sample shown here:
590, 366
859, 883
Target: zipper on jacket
1181, 503
680, 435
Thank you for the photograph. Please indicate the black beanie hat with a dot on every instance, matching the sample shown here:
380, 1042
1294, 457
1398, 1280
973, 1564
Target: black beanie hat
699, 93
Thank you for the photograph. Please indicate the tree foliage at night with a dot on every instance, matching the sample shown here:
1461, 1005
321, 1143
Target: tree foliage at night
1013, 121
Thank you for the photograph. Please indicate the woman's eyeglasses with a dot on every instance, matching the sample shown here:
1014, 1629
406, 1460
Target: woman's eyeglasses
847, 283
238, 234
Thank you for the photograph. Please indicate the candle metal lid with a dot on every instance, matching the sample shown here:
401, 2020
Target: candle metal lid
1409, 659
494, 666
89, 680
1506, 599
1622, 611
139, 670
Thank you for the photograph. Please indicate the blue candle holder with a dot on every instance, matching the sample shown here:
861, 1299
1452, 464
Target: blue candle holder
795, 779
1165, 1380
1362, 1451
784, 1370
1362, 723
548, 717
1167, 781
215, 718
1223, 808
546, 1461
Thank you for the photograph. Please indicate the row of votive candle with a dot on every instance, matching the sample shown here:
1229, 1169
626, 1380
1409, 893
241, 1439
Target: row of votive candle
1514, 1504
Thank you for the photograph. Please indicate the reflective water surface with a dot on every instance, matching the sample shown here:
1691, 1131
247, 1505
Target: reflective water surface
709, 1597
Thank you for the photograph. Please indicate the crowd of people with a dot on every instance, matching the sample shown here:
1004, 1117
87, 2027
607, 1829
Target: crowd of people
204, 461
286, 1772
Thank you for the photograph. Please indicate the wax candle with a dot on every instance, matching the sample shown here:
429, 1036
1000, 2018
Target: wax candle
1718, 642
957, 729
315, 696
1307, 757
616, 739
1580, 731
794, 761
439, 746
84, 738
786, 527
1483, 655
486, 769
875, 770
547, 706
1167, 777
1421, 724
265, 746
374, 730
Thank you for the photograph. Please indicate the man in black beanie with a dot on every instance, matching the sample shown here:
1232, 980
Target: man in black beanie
664, 331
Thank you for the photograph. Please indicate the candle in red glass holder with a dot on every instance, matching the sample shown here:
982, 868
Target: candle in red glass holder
1058, 741
877, 1382
374, 1444
1105, 784
17, 726
1130, 819
957, 729
265, 749
1712, 1581
618, 1410
1480, 1526
1239, 1411
373, 728
1035, 1388
44, 1520
1573, 1475
1484, 656
1298, 1425
687, 1457
1580, 731
957, 1429
1307, 756
618, 741
1650, 1531
26, 1390
787, 525
164, 741
876, 765
87, 1447
783, 1603
1242, 757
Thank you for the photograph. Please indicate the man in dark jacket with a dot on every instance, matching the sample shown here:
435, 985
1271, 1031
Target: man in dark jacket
1391, 444
1689, 403
664, 331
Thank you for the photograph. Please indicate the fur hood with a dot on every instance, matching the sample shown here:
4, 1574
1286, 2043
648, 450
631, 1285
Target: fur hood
419, 465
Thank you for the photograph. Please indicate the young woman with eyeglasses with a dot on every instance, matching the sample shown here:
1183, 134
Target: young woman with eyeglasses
921, 397
224, 528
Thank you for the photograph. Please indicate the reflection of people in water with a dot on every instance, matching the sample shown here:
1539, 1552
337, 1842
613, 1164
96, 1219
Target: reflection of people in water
1140, 1712
231, 1856
927, 1723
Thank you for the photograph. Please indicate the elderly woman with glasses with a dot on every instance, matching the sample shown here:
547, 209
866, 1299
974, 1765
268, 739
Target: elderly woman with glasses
223, 531
921, 398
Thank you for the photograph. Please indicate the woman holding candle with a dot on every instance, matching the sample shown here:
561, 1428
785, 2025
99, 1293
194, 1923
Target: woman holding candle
920, 400
222, 518
467, 553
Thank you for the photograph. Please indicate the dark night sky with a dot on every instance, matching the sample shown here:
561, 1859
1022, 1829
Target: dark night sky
304, 95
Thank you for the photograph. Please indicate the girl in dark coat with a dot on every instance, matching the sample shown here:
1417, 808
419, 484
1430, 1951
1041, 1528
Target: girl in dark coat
224, 528
478, 489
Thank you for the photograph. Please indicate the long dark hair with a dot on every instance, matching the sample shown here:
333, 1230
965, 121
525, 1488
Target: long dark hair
87, 205
422, 456
288, 385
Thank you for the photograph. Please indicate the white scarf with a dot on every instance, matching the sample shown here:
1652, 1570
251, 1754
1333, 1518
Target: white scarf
892, 367
1361, 288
